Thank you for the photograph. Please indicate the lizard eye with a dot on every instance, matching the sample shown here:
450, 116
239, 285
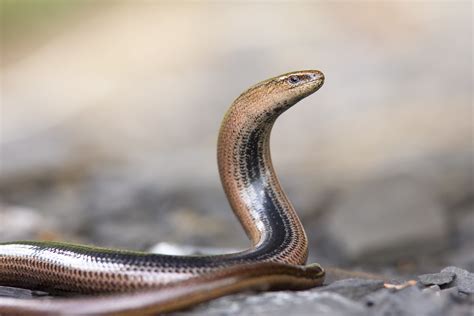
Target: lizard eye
293, 79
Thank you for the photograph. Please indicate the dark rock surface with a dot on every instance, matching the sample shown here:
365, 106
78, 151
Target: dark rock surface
464, 279
353, 289
281, 303
347, 297
7, 291
413, 301
437, 278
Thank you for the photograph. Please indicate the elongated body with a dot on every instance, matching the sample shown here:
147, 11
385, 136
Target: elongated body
275, 259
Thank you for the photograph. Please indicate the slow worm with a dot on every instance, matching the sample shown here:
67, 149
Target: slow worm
142, 283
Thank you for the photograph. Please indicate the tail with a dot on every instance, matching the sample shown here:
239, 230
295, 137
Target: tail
262, 276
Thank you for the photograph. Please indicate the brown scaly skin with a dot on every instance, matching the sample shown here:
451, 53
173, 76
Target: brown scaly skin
275, 260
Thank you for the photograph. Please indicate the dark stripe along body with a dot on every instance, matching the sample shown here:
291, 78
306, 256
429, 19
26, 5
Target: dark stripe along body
275, 260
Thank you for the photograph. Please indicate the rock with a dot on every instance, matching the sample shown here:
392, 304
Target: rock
354, 289
281, 304
7, 291
437, 278
464, 279
450, 291
432, 289
403, 219
413, 301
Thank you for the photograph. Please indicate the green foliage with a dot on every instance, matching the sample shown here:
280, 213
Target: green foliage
21, 18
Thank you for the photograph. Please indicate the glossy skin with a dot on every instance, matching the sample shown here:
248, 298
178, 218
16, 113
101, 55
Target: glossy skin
275, 259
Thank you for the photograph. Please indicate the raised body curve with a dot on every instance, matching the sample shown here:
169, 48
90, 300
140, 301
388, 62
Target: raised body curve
275, 259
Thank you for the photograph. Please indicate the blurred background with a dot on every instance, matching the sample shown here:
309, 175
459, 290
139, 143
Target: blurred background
110, 113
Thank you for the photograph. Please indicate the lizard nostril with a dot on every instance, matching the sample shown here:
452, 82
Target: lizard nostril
317, 76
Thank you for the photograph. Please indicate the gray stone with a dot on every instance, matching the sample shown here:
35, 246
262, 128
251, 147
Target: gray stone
464, 279
354, 289
281, 304
448, 291
387, 218
413, 301
437, 278
7, 291
432, 289
334, 300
